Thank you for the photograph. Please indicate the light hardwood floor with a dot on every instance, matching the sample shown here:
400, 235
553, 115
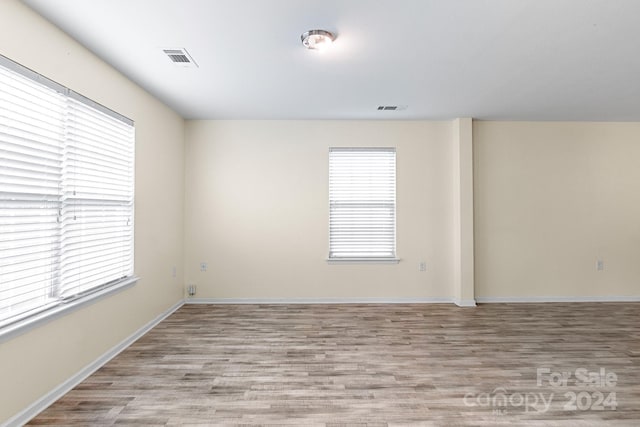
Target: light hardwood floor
370, 364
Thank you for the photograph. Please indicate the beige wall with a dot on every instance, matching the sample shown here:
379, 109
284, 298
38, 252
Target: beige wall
462, 168
34, 363
551, 199
256, 209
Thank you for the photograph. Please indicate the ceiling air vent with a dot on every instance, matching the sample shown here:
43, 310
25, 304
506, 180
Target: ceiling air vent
180, 57
392, 107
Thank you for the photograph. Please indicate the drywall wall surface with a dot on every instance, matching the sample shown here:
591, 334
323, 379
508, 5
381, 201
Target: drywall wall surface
551, 199
257, 210
34, 363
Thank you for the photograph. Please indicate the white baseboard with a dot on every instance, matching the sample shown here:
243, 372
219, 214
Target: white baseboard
433, 300
41, 404
607, 298
465, 302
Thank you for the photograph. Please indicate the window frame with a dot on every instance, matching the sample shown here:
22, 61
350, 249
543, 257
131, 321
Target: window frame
394, 259
58, 306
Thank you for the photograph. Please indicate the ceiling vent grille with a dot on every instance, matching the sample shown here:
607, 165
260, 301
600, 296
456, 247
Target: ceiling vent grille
392, 107
180, 57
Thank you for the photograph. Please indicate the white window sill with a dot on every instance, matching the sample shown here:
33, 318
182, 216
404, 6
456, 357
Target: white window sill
62, 308
363, 260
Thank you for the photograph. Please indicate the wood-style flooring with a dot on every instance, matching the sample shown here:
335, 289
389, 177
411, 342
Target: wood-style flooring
371, 364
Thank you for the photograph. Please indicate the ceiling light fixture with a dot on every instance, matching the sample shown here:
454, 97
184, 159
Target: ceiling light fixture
317, 39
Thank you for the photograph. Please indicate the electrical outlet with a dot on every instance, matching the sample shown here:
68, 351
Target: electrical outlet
191, 290
599, 265
422, 266
203, 266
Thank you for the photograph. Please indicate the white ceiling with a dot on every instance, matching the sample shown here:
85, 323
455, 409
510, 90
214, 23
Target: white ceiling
487, 59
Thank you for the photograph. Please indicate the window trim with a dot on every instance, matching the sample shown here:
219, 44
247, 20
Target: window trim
395, 259
39, 78
61, 307
372, 260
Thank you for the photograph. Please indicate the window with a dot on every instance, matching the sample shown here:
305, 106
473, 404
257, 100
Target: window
362, 204
66, 196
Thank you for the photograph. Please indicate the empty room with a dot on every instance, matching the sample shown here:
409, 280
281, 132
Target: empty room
334, 213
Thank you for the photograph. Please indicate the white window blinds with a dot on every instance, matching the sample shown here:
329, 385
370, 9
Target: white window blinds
66, 195
362, 203
97, 208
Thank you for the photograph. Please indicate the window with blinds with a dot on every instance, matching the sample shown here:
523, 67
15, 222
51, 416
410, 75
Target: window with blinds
66, 195
362, 203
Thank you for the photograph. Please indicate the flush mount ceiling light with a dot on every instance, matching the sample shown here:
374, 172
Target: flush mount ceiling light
317, 39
